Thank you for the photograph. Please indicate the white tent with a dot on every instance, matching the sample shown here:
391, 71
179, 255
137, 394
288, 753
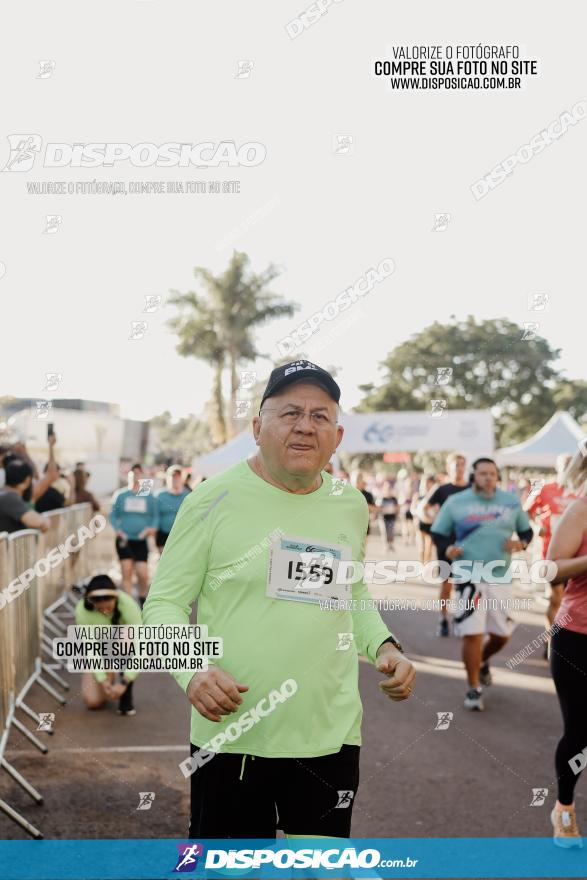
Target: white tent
241, 446
469, 431
560, 434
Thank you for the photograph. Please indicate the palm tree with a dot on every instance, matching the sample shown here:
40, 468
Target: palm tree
219, 327
198, 338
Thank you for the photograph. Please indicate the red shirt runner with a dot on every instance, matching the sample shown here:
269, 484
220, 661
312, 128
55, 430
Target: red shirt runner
551, 502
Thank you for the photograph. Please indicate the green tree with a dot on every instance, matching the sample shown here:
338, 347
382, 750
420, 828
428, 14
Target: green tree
218, 326
571, 395
178, 442
493, 367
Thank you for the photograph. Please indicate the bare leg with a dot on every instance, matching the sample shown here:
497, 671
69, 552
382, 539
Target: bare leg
126, 567
493, 644
445, 591
472, 646
92, 692
427, 548
143, 578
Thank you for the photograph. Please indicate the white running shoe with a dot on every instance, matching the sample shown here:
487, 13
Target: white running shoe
474, 700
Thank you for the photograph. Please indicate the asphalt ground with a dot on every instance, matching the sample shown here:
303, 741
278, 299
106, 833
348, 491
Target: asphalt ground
473, 779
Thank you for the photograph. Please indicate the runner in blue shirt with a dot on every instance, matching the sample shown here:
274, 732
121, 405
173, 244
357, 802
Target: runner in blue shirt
168, 503
134, 518
476, 526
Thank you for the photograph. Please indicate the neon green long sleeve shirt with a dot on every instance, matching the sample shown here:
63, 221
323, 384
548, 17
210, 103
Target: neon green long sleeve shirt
218, 554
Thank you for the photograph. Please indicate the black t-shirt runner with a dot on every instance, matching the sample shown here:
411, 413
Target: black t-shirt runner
443, 492
439, 496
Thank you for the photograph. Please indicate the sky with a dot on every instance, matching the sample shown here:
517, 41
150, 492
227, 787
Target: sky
322, 212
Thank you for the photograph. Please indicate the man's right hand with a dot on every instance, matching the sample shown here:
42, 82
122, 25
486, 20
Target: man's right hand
453, 550
215, 693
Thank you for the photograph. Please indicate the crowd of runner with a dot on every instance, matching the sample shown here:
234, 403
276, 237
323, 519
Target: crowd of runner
288, 497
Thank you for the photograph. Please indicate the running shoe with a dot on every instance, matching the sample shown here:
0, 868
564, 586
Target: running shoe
474, 700
485, 675
443, 627
566, 833
125, 704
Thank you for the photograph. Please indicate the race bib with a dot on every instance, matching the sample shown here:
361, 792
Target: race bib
303, 570
135, 505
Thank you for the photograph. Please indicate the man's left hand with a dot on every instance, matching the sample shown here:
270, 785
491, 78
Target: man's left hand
399, 685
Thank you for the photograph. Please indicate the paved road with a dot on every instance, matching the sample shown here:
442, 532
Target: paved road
473, 779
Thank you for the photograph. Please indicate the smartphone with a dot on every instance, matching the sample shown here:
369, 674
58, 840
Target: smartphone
50, 430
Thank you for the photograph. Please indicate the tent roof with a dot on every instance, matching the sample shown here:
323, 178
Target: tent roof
239, 447
560, 434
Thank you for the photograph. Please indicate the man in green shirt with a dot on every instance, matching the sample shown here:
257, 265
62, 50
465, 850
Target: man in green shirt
276, 722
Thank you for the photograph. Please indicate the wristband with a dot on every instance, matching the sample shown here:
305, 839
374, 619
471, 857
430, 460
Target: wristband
392, 640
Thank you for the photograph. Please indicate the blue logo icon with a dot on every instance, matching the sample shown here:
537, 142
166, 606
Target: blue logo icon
377, 433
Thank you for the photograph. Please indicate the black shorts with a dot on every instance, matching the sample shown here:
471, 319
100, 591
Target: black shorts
252, 799
425, 527
161, 538
137, 550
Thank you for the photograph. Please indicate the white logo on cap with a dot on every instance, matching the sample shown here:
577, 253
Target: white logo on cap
300, 365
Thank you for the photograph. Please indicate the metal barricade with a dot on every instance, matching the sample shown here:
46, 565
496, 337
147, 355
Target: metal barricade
42, 567
80, 561
71, 557
53, 583
6, 658
21, 620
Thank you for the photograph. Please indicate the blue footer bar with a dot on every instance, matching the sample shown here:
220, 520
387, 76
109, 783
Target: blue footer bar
487, 857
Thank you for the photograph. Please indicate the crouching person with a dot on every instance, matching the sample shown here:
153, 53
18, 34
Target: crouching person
102, 605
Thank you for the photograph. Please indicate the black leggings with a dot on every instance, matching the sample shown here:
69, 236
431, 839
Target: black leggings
568, 662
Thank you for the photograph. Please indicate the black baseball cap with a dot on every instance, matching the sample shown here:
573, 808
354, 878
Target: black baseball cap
287, 374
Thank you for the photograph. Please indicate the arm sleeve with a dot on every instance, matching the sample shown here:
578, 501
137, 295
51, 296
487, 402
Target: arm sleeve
523, 527
368, 627
181, 572
442, 542
115, 517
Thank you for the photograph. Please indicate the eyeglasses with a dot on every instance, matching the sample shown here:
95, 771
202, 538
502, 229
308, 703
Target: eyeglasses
292, 416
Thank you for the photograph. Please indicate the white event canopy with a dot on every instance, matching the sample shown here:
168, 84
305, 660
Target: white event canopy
560, 434
467, 430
